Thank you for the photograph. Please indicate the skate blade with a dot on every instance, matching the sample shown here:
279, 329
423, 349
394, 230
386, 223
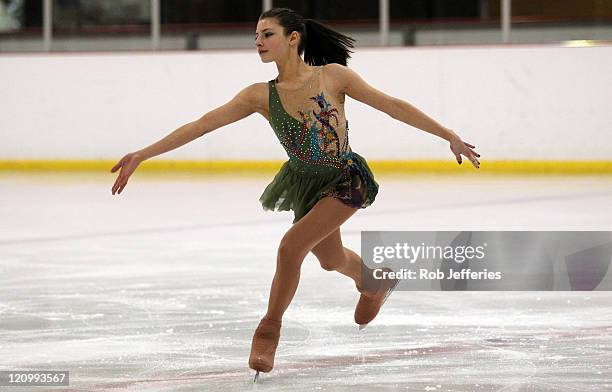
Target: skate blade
362, 326
256, 376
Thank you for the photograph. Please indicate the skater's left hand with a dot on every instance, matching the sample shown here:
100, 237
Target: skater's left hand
459, 147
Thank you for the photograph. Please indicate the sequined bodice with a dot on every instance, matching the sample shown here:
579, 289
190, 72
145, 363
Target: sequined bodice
310, 125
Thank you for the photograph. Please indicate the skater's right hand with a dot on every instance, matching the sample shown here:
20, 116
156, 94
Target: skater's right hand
128, 164
459, 147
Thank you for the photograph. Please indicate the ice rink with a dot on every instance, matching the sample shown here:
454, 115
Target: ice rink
161, 289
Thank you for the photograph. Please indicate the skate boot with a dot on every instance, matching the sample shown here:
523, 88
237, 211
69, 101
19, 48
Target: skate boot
263, 347
370, 302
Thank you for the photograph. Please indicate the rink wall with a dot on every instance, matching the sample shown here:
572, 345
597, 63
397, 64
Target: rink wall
522, 106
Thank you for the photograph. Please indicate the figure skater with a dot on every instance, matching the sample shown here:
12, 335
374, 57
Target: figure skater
323, 182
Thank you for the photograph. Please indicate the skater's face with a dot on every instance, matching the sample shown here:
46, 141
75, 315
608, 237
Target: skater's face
271, 42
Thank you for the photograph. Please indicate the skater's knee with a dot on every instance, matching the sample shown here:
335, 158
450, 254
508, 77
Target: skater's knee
332, 261
290, 255
328, 266
333, 266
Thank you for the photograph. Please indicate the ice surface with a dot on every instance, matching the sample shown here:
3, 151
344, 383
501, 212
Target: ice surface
161, 288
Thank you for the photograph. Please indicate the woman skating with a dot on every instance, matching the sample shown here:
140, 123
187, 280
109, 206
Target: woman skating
324, 182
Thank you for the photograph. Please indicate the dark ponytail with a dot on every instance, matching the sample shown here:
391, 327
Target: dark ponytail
319, 43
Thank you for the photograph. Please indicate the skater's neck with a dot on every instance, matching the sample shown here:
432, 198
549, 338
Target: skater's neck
293, 71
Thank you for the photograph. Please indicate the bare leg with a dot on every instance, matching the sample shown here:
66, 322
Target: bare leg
323, 219
333, 256
352, 267
282, 291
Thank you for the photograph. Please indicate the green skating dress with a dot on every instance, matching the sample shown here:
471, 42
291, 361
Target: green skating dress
312, 128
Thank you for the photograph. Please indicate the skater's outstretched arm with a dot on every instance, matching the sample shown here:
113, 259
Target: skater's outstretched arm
239, 107
355, 87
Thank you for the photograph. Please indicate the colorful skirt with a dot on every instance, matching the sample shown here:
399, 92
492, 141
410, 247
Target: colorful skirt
354, 185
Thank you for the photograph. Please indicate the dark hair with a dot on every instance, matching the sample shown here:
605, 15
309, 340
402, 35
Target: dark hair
319, 43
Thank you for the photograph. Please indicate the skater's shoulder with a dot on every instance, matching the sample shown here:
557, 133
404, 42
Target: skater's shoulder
334, 77
335, 70
255, 97
337, 76
259, 89
254, 94
256, 89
